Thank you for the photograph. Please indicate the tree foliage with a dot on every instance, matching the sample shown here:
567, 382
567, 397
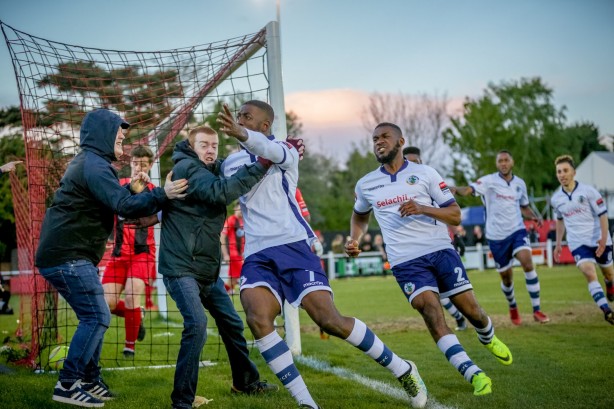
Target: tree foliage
519, 116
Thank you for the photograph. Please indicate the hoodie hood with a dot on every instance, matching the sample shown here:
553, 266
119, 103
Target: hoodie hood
99, 131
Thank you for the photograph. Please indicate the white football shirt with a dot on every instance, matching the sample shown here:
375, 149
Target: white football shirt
502, 200
271, 215
580, 211
409, 237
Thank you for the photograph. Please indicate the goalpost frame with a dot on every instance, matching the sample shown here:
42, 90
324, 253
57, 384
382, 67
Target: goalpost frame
276, 96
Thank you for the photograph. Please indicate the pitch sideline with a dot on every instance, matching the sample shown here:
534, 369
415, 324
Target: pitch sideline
378, 386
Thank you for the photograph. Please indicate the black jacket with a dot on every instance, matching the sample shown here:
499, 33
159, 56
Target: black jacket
80, 218
190, 239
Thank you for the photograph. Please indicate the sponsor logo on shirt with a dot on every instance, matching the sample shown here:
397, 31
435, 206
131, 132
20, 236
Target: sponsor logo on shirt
394, 200
412, 180
574, 212
368, 189
505, 197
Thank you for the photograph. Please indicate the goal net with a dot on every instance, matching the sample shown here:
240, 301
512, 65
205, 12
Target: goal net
162, 94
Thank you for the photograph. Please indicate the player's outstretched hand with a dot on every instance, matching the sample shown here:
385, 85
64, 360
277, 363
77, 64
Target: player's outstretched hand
229, 126
351, 247
175, 189
410, 208
298, 145
10, 167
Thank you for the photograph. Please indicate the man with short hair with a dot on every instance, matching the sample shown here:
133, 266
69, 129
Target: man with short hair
190, 263
132, 262
73, 239
581, 210
506, 200
413, 207
280, 264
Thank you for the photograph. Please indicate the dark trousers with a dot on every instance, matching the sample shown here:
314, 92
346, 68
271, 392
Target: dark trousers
191, 296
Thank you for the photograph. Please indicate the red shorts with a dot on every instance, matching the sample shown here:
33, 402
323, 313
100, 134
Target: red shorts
235, 266
119, 269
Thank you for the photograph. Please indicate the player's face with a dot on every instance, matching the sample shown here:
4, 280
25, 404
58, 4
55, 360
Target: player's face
254, 119
206, 146
118, 150
139, 165
505, 163
386, 144
565, 174
412, 157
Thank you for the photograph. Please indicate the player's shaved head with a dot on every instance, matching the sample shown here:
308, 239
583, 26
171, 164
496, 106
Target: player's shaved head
264, 107
391, 125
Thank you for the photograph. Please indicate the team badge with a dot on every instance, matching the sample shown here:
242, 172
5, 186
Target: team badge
412, 180
409, 288
581, 199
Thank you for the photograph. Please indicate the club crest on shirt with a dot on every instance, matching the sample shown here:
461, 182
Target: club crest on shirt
581, 199
409, 288
412, 180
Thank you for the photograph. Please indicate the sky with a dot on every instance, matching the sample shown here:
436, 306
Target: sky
336, 53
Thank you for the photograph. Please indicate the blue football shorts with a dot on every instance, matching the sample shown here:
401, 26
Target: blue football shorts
587, 253
503, 251
441, 272
290, 271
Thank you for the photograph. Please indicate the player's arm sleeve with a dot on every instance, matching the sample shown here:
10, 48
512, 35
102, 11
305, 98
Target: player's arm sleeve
361, 205
597, 203
439, 190
480, 186
104, 186
207, 187
280, 153
524, 197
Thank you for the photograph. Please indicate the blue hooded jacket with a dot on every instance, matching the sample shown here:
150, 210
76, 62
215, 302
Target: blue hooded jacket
80, 219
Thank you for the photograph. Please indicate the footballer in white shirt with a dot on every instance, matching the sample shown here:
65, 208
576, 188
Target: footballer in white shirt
412, 205
280, 265
506, 200
580, 209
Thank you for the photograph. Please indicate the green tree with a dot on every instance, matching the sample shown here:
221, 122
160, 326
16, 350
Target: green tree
519, 116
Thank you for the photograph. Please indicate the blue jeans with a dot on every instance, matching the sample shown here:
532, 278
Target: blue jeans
78, 282
191, 296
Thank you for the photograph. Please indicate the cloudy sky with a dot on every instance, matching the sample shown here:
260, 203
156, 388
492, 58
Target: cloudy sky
335, 53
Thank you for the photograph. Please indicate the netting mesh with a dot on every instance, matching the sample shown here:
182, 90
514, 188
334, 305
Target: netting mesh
162, 94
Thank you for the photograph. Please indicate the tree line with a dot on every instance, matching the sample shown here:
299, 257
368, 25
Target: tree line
518, 115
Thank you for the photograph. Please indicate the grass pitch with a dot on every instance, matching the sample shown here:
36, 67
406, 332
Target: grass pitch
567, 363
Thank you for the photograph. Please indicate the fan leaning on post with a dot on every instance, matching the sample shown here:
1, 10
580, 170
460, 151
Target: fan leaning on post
72, 241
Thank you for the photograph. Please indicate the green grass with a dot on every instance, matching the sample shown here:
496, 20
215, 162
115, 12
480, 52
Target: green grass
567, 363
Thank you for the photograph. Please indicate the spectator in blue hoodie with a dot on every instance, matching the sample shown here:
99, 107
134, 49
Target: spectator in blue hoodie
72, 241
